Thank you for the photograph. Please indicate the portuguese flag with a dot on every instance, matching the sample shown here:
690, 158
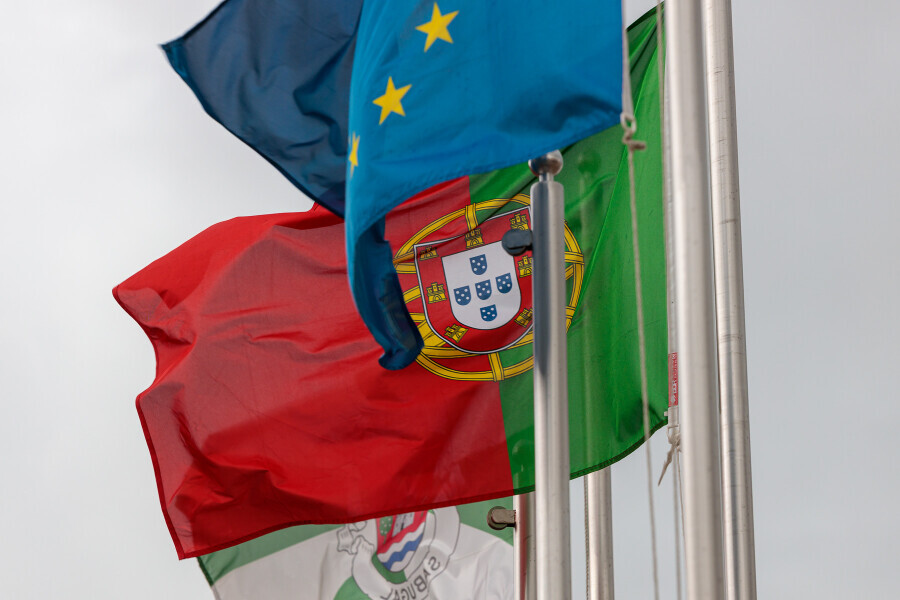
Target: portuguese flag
442, 554
269, 408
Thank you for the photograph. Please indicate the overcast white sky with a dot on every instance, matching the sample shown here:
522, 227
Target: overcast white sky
109, 162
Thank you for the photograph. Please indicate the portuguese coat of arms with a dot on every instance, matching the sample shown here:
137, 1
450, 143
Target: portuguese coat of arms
471, 301
477, 298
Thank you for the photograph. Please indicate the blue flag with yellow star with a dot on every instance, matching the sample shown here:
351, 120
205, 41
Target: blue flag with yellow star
364, 104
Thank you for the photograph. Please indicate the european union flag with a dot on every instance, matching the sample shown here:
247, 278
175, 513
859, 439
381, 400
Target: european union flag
364, 104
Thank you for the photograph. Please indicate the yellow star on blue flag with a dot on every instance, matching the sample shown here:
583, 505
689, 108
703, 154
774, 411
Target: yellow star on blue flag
391, 100
353, 157
436, 28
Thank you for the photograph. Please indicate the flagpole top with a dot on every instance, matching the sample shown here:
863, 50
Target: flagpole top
547, 165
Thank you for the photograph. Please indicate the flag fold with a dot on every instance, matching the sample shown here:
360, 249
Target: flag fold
442, 554
269, 410
363, 105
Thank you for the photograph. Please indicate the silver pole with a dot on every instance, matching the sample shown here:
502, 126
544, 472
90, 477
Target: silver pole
551, 411
740, 559
523, 544
673, 431
599, 538
695, 310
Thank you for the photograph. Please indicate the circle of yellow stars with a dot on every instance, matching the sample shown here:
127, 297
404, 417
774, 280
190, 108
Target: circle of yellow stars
391, 102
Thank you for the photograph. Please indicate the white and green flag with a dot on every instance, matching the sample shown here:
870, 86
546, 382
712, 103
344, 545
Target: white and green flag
442, 554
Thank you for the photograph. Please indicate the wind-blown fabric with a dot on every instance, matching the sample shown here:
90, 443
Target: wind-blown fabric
269, 410
404, 94
448, 553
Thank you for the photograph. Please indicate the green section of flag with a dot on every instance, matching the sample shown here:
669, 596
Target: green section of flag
350, 591
218, 564
605, 409
475, 515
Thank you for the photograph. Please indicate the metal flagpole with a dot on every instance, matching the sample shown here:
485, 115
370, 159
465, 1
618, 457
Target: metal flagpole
695, 309
521, 518
740, 559
551, 402
524, 546
598, 524
673, 431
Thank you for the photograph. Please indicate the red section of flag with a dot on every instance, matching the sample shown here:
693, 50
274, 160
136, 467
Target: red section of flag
269, 408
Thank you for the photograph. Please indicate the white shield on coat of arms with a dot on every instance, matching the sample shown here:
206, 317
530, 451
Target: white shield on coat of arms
480, 280
477, 298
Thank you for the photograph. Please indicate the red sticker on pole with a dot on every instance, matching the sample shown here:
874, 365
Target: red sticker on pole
673, 379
